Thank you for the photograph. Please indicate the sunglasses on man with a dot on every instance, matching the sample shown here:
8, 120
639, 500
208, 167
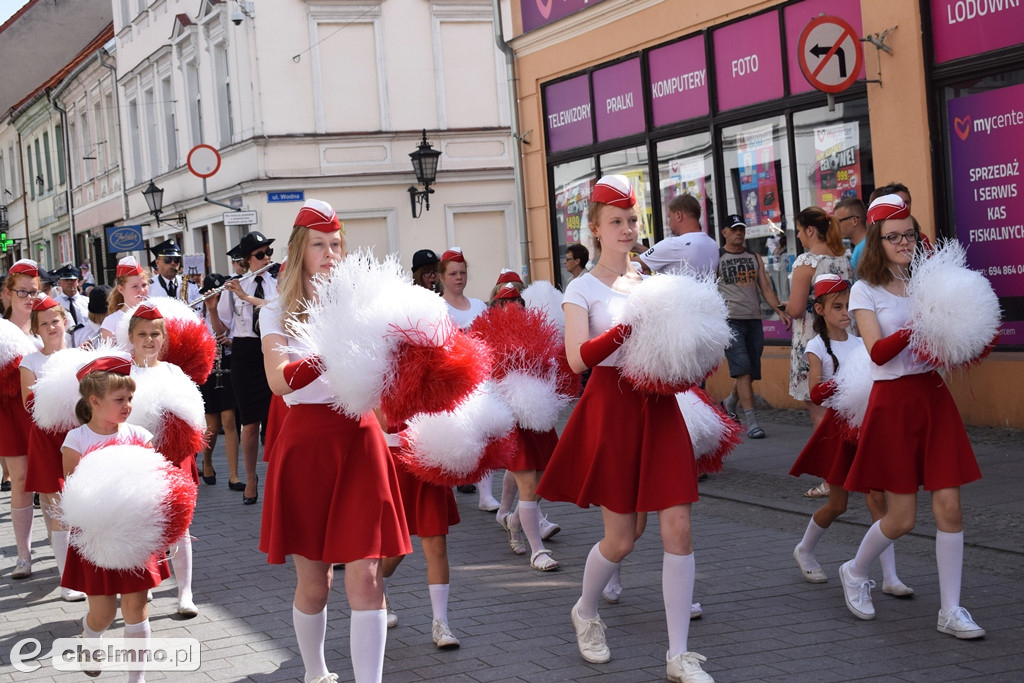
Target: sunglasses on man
171, 259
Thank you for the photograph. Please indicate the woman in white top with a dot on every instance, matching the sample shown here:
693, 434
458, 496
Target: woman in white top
131, 289
452, 275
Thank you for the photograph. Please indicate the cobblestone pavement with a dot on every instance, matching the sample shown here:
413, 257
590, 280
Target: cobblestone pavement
761, 621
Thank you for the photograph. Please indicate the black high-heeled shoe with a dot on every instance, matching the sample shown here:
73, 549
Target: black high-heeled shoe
246, 500
210, 480
236, 485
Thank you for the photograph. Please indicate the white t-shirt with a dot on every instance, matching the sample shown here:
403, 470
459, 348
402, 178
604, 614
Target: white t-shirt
81, 439
893, 313
841, 349
35, 362
693, 252
317, 392
239, 312
465, 318
111, 321
603, 304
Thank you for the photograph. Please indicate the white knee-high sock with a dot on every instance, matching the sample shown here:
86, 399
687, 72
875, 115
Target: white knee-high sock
181, 563
140, 631
439, 600
368, 632
615, 580
59, 541
88, 632
888, 561
809, 542
485, 487
871, 547
949, 556
677, 576
310, 631
21, 519
509, 488
596, 573
529, 517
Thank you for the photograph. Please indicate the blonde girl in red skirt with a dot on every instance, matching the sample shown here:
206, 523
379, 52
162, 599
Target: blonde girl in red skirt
830, 450
107, 389
45, 473
332, 492
912, 434
623, 450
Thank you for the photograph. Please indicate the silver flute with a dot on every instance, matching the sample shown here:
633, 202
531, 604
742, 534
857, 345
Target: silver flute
240, 278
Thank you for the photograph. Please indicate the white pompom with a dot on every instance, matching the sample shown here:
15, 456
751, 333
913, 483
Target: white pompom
165, 390
113, 503
954, 310
702, 421
542, 296
365, 309
453, 442
534, 401
13, 342
56, 389
853, 386
174, 309
679, 332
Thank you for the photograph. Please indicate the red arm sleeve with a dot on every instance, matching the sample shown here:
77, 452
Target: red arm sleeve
595, 350
303, 372
888, 348
822, 392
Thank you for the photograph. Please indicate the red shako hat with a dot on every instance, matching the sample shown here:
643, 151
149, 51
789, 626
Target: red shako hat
508, 275
887, 206
828, 284
25, 266
453, 254
116, 361
147, 312
615, 190
128, 266
508, 291
43, 303
317, 215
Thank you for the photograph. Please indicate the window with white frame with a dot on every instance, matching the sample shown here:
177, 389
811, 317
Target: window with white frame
49, 162
113, 143
194, 101
222, 79
85, 149
99, 152
58, 138
32, 186
170, 127
152, 134
135, 140
466, 68
12, 159
349, 88
76, 159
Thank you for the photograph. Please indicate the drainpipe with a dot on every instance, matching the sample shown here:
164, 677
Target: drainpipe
120, 140
517, 167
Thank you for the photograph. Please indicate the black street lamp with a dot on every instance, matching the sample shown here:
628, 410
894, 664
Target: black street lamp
424, 165
155, 201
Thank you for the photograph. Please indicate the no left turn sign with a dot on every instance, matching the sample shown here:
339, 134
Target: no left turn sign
830, 54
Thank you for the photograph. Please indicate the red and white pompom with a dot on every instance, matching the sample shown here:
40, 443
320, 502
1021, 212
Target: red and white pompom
56, 388
14, 345
124, 503
366, 310
955, 313
542, 296
190, 344
713, 434
458, 447
168, 404
534, 401
679, 333
853, 387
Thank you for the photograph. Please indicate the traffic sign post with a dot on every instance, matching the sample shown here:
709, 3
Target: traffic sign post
203, 161
830, 54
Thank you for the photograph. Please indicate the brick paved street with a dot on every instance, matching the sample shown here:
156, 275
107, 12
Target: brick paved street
762, 622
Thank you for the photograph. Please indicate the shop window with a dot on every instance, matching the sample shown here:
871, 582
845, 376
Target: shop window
633, 164
685, 165
833, 154
573, 183
758, 187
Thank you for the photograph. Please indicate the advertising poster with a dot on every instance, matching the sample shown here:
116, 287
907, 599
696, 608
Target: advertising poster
759, 188
686, 176
986, 140
571, 204
636, 179
836, 164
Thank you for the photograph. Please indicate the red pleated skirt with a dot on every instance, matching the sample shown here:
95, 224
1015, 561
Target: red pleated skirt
622, 449
429, 509
45, 472
827, 454
275, 418
82, 575
912, 436
15, 423
332, 493
533, 449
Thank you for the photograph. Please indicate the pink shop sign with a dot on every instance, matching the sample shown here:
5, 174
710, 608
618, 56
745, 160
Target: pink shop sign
961, 28
748, 61
618, 100
679, 81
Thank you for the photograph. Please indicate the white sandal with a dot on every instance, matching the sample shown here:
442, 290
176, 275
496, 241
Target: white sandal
548, 565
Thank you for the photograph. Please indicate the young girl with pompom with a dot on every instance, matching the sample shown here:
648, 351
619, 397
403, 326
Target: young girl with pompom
22, 287
45, 472
623, 450
829, 452
337, 503
106, 401
912, 434
147, 336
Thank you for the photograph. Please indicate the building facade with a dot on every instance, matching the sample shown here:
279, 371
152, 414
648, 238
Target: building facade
717, 100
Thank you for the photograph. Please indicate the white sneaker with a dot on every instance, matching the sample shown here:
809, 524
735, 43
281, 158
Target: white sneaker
488, 504
392, 616
685, 668
958, 623
898, 588
70, 595
857, 593
548, 529
810, 569
326, 678
696, 610
612, 593
443, 637
187, 608
590, 637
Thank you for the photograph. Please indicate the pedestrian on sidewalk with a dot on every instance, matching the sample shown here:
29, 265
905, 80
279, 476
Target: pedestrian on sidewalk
912, 434
622, 449
830, 450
